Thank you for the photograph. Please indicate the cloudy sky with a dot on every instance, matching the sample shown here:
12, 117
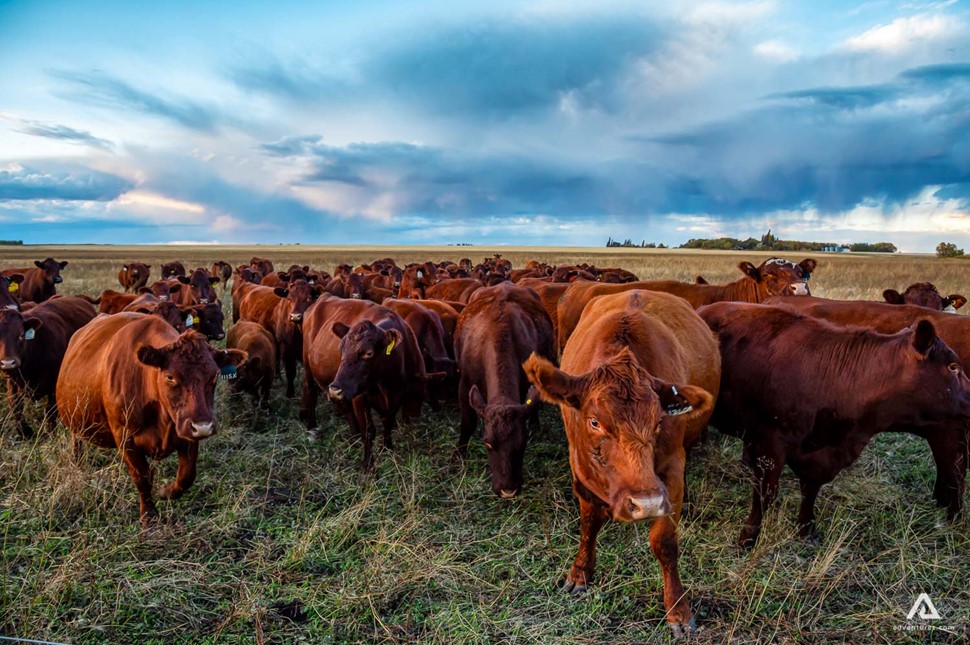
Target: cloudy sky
525, 122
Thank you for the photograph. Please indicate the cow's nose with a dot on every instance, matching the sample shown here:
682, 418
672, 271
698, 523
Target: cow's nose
640, 508
9, 363
203, 301
335, 393
355, 295
58, 280
507, 494
799, 289
296, 317
163, 298
203, 430
220, 335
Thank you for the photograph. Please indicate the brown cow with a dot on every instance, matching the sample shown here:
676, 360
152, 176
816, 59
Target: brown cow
40, 281
430, 334
457, 290
417, 279
223, 271
245, 281
131, 383
263, 265
448, 313
32, 346
550, 293
638, 381
500, 328
172, 269
112, 302
807, 393
256, 375
772, 277
947, 439
168, 311
925, 294
199, 290
133, 276
364, 356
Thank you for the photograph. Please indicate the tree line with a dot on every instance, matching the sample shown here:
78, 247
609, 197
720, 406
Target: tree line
768, 242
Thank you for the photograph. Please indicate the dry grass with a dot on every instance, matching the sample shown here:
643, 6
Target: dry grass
419, 552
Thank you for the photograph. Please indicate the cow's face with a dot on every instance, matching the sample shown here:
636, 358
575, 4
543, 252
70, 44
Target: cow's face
355, 286
505, 438
778, 277
136, 272
172, 270
925, 294
200, 284
163, 289
366, 351
208, 320
299, 296
52, 270
15, 332
186, 375
9, 287
169, 312
619, 425
938, 388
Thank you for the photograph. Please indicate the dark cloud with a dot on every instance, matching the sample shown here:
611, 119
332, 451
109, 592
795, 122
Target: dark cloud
20, 182
98, 88
845, 98
62, 133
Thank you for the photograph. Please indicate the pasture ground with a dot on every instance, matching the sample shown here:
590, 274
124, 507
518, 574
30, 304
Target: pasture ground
283, 540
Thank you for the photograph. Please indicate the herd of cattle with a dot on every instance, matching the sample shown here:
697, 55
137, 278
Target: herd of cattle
638, 368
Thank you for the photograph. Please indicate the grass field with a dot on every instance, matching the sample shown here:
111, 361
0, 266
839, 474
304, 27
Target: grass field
282, 540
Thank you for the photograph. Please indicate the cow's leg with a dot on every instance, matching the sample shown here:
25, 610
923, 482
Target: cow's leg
591, 518
362, 423
390, 420
950, 454
188, 456
806, 510
469, 422
664, 543
50, 414
141, 474
767, 461
266, 388
16, 396
308, 405
289, 365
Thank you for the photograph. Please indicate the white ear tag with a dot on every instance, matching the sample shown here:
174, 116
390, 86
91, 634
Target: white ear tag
29, 334
189, 320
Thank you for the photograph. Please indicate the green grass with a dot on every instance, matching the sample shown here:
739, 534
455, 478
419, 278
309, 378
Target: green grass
421, 552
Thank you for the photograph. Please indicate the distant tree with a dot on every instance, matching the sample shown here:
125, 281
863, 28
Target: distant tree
948, 250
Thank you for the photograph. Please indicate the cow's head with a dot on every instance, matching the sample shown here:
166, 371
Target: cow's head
505, 438
136, 271
935, 384
620, 425
169, 312
16, 330
162, 289
299, 296
207, 319
200, 284
355, 286
51, 269
778, 277
172, 270
366, 353
925, 294
186, 373
9, 288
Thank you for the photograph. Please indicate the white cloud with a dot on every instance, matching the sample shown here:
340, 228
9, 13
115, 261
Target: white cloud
904, 33
776, 50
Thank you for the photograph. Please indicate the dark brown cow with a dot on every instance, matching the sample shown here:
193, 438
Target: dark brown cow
807, 393
223, 271
40, 281
572, 274
772, 277
112, 302
417, 279
245, 281
364, 356
947, 439
430, 334
9, 286
199, 291
638, 382
133, 276
280, 311
256, 375
168, 311
925, 294
500, 328
457, 290
32, 346
172, 269
131, 383
448, 313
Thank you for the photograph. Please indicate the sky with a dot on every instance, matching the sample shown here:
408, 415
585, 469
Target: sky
534, 122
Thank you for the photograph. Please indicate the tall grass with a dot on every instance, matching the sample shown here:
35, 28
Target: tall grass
283, 540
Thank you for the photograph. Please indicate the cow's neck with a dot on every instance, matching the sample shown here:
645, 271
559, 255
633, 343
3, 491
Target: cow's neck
741, 290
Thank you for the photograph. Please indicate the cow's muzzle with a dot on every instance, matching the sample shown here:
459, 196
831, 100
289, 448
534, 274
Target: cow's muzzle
9, 364
203, 430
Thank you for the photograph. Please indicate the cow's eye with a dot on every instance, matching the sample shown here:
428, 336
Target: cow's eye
368, 354
489, 446
594, 425
955, 368
170, 378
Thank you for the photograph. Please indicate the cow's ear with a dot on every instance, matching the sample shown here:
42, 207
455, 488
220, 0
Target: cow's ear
38, 264
124, 267
956, 300
924, 333
892, 296
392, 338
33, 323
339, 329
678, 399
183, 279
175, 288
750, 270
63, 264
281, 292
283, 275
15, 278
700, 280
553, 384
253, 363
213, 280
152, 356
226, 357
808, 265
306, 268
476, 400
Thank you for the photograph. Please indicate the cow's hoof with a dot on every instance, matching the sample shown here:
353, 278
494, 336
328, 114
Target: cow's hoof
684, 630
812, 538
169, 491
313, 434
573, 588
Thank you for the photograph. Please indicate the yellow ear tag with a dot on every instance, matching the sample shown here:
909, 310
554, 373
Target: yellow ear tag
14, 287
390, 348
195, 320
528, 401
